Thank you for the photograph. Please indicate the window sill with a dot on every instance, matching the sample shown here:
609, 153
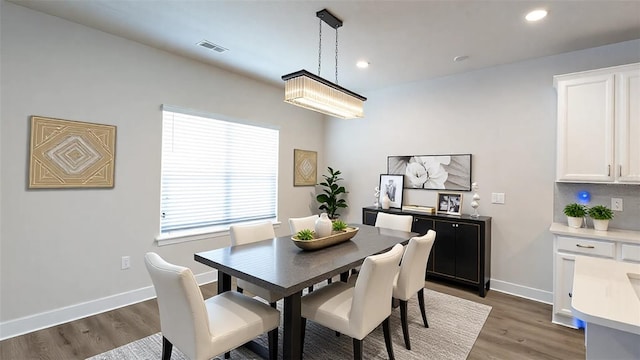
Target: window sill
178, 237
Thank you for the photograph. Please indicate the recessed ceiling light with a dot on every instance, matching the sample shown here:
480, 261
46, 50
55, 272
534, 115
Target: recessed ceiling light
536, 15
362, 64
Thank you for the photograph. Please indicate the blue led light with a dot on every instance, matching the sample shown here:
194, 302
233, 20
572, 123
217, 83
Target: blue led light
584, 197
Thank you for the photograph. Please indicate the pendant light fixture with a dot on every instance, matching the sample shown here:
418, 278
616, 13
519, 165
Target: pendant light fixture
312, 92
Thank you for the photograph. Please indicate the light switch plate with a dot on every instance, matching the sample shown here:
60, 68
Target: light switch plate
497, 198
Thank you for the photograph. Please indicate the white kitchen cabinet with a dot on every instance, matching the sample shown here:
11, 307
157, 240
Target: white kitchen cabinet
563, 288
628, 125
618, 245
599, 126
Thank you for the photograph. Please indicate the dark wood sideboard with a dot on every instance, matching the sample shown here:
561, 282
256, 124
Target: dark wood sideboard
462, 250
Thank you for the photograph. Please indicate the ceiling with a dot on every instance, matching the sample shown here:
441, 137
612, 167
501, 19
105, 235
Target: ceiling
404, 41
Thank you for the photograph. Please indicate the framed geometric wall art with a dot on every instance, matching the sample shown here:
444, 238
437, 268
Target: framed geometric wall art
433, 172
305, 165
71, 154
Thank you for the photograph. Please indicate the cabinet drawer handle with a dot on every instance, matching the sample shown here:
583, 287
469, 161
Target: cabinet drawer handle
608, 170
570, 295
620, 171
585, 246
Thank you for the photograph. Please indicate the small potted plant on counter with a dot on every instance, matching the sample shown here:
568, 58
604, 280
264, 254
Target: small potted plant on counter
601, 216
575, 214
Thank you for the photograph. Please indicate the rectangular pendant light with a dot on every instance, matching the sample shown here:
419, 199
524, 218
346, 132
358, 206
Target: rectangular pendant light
312, 92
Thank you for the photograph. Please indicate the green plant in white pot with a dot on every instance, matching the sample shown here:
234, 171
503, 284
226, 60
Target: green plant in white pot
331, 200
601, 216
575, 214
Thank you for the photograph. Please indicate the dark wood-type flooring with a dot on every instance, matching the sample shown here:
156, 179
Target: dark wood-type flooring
515, 329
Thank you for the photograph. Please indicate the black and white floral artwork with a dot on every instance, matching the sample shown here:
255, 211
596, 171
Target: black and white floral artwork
433, 172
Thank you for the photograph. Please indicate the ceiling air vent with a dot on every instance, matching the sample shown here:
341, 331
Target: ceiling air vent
211, 46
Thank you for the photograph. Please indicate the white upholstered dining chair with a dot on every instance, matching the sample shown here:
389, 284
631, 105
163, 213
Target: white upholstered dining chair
411, 277
394, 221
297, 224
357, 310
200, 328
246, 234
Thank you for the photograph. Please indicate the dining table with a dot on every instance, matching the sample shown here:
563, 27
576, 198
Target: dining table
280, 266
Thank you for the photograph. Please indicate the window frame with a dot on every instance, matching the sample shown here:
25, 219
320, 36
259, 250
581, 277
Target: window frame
209, 232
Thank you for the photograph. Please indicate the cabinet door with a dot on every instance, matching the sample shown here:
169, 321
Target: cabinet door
628, 126
369, 217
585, 128
563, 284
444, 248
421, 225
468, 251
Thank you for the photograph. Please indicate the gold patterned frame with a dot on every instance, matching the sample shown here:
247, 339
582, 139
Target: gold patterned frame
71, 154
305, 167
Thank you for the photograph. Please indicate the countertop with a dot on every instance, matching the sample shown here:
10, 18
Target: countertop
603, 294
612, 234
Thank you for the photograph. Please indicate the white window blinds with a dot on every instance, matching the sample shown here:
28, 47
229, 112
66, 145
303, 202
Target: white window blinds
215, 172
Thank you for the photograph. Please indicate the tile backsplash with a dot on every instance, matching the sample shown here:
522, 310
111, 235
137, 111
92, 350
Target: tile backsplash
601, 194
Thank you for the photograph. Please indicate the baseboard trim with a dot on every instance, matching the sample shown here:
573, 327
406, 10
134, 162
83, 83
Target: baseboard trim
27, 324
522, 291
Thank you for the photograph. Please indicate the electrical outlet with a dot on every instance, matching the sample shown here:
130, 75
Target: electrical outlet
126, 262
616, 204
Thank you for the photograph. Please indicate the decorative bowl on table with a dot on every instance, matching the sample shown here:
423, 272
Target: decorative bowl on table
336, 237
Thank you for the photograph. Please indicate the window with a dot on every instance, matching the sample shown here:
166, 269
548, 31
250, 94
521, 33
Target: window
215, 172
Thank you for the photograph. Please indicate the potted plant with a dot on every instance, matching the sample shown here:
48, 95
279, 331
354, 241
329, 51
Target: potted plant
575, 214
331, 200
601, 216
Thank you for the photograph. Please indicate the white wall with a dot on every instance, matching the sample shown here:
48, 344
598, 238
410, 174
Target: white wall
62, 248
506, 117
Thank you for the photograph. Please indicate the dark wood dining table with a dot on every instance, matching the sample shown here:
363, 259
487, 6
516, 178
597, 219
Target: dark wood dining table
280, 266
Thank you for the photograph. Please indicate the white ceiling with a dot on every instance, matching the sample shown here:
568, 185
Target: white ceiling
403, 40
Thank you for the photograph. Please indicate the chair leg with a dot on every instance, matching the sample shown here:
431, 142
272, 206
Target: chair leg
357, 349
405, 323
273, 344
386, 329
303, 327
167, 347
329, 280
227, 355
421, 303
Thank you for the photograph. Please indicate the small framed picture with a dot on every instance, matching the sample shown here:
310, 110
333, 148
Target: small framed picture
449, 203
392, 185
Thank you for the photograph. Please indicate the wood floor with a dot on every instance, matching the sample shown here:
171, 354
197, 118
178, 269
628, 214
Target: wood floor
515, 329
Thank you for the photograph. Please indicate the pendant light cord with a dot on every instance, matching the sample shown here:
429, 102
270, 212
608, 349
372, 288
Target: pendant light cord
319, 47
320, 50
336, 56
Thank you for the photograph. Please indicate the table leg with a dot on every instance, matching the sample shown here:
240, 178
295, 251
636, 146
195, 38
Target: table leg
344, 277
224, 282
292, 327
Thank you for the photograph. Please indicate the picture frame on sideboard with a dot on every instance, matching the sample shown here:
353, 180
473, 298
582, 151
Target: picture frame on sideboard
449, 203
